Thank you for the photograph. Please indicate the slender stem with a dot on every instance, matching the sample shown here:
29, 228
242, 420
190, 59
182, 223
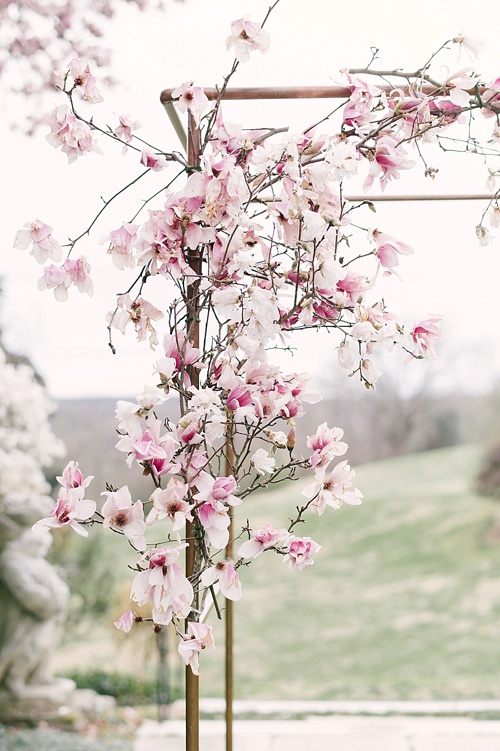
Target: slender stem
396, 73
106, 204
147, 200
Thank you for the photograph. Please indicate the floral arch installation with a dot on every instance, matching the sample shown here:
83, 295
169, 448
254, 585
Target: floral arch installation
251, 286
191, 144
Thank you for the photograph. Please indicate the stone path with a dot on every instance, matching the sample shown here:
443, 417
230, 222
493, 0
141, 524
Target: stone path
339, 733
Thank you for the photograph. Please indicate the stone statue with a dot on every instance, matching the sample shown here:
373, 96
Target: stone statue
33, 597
33, 603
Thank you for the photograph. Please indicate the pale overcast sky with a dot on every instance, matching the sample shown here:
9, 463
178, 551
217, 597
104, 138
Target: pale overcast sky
310, 42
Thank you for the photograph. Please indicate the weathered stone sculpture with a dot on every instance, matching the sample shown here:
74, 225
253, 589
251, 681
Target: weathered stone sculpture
33, 597
33, 602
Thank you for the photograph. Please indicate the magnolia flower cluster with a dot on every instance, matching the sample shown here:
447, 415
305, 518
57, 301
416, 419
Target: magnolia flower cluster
72, 136
265, 288
27, 442
44, 247
71, 508
257, 242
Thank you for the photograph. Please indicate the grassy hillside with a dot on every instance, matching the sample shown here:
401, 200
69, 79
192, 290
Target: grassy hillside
403, 601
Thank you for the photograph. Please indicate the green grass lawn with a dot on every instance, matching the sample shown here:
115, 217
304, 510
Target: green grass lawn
403, 601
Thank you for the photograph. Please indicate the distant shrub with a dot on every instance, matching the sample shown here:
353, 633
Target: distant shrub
12, 739
488, 480
125, 688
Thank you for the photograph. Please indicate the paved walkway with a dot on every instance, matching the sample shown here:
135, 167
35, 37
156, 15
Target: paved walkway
339, 733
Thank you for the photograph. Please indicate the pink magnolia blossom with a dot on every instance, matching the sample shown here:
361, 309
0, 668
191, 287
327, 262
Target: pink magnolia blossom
56, 278
152, 161
120, 513
262, 539
459, 84
358, 111
227, 576
424, 334
326, 444
247, 36
491, 98
198, 636
121, 242
389, 249
70, 510
78, 271
217, 489
163, 585
300, 552
150, 447
192, 98
125, 622
170, 503
168, 464
298, 384
334, 489
130, 414
353, 284
471, 44
125, 127
238, 398
83, 79
188, 429
387, 256
39, 235
60, 278
72, 477
176, 345
181, 350
196, 462
72, 136
390, 158
448, 111
141, 313
215, 519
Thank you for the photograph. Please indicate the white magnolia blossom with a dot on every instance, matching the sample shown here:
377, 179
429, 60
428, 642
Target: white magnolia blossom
262, 462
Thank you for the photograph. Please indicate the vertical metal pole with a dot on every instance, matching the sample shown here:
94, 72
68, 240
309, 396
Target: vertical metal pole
229, 675
229, 608
163, 678
192, 681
